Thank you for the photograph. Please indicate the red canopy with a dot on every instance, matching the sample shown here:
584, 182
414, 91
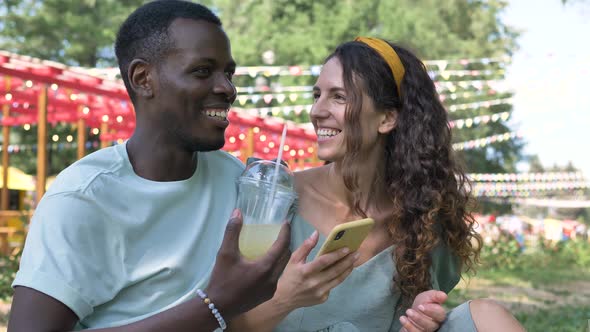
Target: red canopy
103, 103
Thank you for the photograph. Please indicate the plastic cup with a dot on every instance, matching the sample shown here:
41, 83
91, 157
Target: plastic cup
262, 213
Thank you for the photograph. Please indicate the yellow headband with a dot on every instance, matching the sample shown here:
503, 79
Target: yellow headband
390, 56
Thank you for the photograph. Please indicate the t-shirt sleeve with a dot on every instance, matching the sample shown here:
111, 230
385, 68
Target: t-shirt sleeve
72, 253
445, 270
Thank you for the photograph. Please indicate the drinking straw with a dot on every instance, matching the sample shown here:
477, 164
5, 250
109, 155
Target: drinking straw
273, 188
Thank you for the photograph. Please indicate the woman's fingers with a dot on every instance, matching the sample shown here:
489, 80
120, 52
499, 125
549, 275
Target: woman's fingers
421, 321
339, 268
435, 311
324, 261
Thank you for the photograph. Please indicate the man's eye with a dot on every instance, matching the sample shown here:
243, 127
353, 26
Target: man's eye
202, 71
229, 74
316, 96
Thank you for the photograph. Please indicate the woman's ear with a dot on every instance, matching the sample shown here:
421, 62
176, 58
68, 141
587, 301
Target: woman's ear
140, 78
388, 122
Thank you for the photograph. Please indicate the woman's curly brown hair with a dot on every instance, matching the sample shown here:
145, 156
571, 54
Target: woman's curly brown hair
428, 191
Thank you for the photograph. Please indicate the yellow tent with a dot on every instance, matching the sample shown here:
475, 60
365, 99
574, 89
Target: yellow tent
17, 179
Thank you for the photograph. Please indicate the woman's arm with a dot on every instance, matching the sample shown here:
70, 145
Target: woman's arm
301, 285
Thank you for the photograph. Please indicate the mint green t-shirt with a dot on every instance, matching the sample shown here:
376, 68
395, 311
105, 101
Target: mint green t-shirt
116, 248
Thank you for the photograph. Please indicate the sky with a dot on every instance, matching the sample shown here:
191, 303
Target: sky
550, 76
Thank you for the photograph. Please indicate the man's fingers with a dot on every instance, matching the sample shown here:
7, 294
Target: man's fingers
435, 311
280, 265
300, 255
231, 237
280, 246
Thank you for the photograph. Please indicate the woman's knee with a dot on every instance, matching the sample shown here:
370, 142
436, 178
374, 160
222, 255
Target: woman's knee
486, 306
489, 315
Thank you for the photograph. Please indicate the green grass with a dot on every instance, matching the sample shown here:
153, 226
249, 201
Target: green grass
563, 319
536, 275
540, 272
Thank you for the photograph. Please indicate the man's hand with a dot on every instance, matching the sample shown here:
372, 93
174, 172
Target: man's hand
426, 314
238, 285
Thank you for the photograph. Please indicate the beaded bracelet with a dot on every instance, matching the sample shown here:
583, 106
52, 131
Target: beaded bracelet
214, 310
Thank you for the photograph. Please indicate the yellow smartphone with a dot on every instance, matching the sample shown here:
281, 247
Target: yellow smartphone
350, 234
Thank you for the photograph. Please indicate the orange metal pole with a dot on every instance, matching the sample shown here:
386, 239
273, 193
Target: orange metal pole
104, 128
81, 135
249, 144
5, 142
42, 142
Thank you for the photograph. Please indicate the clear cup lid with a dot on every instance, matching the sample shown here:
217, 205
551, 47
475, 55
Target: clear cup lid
264, 171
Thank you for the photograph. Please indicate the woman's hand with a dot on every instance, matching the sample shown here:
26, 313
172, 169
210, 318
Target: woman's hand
305, 284
426, 314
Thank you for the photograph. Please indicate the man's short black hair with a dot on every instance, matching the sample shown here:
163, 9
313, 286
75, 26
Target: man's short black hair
144, 34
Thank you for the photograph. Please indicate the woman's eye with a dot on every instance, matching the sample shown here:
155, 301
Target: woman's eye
340, 97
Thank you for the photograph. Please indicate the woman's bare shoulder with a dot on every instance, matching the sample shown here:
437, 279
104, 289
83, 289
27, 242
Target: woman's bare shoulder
309, 177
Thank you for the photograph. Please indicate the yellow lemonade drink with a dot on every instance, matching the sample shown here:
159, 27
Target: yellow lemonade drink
256, 239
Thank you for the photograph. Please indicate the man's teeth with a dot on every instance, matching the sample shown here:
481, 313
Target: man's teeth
217, 113
328, 132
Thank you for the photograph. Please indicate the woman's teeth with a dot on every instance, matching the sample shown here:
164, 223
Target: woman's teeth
327, 133
218, 113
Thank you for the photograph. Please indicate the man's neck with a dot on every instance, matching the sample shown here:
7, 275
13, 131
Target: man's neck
155, 158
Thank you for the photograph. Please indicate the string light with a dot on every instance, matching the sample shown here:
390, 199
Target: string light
27, 126
232, 139
55, 138
69, 138
95, 131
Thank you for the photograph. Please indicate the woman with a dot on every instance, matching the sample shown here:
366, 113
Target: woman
382, 127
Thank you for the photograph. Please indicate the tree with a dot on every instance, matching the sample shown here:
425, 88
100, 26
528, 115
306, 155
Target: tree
79, 33
73, 32
305, 31
298, 32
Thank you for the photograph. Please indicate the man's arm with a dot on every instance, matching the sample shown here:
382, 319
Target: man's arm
236, 286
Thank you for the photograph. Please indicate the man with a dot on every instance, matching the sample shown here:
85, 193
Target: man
126, 237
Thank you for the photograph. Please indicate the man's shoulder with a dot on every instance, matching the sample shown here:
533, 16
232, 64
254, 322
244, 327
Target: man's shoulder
81, 174
220, 158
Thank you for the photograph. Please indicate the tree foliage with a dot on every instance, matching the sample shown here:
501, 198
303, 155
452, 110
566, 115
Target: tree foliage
297, 31
73, 32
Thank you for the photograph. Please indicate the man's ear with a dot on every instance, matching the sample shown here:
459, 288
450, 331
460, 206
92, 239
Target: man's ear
140, 78
388, 122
